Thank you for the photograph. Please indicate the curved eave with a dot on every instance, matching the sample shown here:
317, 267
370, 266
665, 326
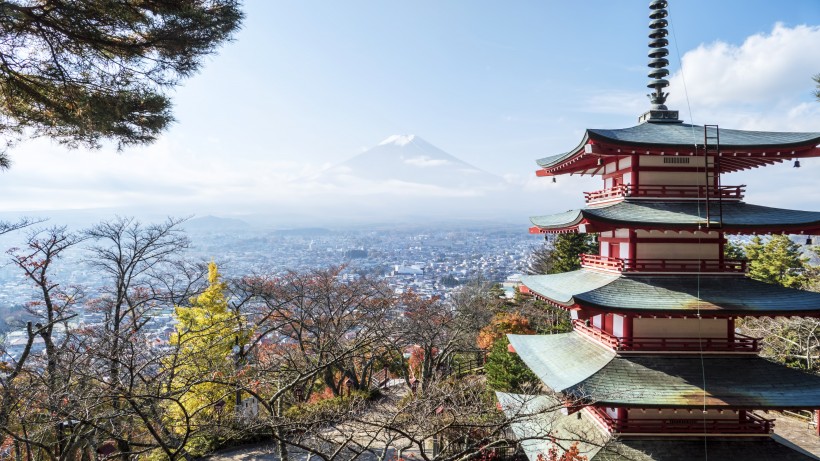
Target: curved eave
559, 371
672, 295
698, 382
739, 150
738, 217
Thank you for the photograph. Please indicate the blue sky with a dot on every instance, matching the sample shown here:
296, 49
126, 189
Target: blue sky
308, 84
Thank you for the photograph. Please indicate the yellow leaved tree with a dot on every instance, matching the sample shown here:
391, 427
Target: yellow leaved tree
208, 342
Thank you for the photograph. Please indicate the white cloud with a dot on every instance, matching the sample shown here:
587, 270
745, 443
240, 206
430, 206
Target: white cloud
762, 84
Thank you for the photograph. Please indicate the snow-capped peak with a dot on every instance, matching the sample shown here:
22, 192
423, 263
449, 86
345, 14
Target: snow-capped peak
399, 139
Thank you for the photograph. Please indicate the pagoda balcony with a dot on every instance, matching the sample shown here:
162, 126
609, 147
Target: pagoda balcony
665, 192
747, 423
739, 343
662, 265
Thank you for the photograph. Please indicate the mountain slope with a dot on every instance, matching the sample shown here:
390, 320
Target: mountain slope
411, 159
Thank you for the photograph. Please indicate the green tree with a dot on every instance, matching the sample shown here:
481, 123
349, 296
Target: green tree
561, 254
776, 260
734, 250
505, 371
207, 339
817, 91
80, 72
567, 249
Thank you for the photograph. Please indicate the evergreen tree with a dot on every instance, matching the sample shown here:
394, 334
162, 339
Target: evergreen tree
83, 71
506, 372
817, 91
562, 254
567, 249
734, 251
777, 260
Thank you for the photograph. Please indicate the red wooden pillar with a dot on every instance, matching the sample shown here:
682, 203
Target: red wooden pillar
633, 245
628, 327
608, 323
622, 419
730, 329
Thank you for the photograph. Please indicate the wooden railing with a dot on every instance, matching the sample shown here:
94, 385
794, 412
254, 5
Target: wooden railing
750, 423
666, 191
739, 343
663, 265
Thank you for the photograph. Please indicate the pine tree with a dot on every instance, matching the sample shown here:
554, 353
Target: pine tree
567, 249
84, 71
505, 370
777, 260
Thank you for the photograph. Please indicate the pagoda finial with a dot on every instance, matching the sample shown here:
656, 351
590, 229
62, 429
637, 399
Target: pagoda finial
658, 52
658, 64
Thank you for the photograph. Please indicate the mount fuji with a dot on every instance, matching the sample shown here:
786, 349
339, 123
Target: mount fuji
413, 162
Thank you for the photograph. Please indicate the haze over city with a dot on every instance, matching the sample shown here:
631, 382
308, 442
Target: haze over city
273, 124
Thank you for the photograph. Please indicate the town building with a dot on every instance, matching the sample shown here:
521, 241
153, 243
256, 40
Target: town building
654, 362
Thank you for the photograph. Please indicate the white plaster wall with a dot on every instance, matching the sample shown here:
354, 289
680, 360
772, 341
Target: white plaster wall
686, 178
627, 178
604, 249
677, 251
618, 325
621, 233
612, 412
679, 328
596, 321
624, 250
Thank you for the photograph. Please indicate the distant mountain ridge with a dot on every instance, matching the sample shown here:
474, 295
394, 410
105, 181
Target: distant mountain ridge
410, 159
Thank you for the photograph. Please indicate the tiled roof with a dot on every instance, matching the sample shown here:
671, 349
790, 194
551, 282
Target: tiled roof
561, 370
681, 215
697, 382
699, 449
728, 295
685, 136
562, 287
536, 420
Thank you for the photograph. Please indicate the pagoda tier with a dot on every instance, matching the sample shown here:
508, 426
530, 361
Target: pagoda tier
540, 430
596, 292
652, 394
737, 218
739, 150
680, 313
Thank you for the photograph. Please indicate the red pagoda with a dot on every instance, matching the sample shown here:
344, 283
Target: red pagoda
654, 363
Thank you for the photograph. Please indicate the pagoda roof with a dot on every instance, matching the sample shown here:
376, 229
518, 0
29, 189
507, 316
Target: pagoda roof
755, 148
689, 294
663, 381
680, 215
696, 449
743, 382
537, 421
561, 371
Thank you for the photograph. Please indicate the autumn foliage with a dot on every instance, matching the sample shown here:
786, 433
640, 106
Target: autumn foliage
502, 324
